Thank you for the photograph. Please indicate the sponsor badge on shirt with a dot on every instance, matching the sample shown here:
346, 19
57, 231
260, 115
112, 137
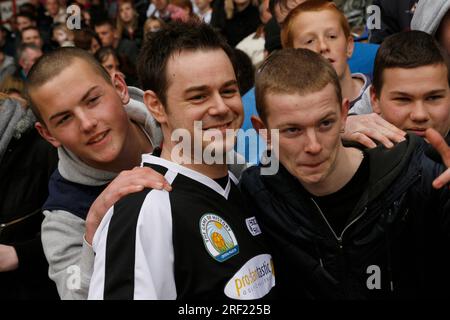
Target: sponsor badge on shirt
253, 281
219, 239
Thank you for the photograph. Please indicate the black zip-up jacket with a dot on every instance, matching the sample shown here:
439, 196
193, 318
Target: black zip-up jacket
395, 243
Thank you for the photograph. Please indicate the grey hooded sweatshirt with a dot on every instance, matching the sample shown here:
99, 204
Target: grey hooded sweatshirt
429, 14
69, 256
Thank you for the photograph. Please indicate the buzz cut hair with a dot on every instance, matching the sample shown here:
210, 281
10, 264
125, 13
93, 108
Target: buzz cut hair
293, 71
52, 64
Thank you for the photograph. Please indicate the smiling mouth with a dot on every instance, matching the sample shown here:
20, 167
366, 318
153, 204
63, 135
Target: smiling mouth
98, 138
218, 127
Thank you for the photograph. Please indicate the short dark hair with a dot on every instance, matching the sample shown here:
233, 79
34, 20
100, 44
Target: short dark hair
103, 53
31, 28
245, 71
175, 37
104, 21
52, 64
293, 71
27, 15
407, 50
28, 9
83, 38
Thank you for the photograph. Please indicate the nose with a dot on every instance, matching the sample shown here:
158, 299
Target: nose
419, 112
323, 46
312, 145
87, 122
219, 107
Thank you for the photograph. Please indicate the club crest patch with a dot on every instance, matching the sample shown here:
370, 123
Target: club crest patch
219, 239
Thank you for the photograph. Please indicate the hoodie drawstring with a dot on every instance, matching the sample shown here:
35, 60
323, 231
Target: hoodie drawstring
388, 250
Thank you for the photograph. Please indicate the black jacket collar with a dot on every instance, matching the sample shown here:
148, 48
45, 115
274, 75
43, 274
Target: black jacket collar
385, 166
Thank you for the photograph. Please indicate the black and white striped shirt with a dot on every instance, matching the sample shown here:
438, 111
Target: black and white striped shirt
195, 242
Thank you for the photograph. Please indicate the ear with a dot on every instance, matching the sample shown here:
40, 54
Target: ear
374, 100
155, 106
121, 87
43, 131
258, 125
344, 112
350, 46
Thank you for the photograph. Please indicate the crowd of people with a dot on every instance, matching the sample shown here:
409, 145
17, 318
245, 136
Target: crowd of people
100, 199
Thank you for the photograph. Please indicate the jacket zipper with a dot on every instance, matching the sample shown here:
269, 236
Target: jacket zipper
339, 239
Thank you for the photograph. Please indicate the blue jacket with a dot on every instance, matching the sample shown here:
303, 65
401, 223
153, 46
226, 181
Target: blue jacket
400, 225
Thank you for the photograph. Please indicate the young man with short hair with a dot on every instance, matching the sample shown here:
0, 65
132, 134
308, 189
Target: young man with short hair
345, 222
31, 35
198, 242
25, 20
99, 131
411, 84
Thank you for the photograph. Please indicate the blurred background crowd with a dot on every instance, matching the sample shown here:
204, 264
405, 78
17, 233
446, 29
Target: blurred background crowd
113, 30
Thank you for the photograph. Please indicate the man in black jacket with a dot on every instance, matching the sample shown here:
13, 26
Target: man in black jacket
344, 222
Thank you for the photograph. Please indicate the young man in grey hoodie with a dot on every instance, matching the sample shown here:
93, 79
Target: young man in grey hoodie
100, 128
433, 17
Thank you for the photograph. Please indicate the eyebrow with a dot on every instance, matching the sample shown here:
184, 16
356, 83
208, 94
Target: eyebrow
438, 91
205, 87
88, 93
56, 115
313, 32
308, 34
327, 115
